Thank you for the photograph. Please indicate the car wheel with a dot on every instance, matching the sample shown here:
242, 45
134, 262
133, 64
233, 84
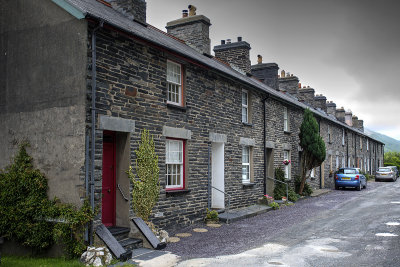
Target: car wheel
359, 187
365, 186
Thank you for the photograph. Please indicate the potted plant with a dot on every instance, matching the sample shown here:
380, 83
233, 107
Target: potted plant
211, 216
286, 162
266, 200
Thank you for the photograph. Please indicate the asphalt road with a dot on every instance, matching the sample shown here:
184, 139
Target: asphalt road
343, 228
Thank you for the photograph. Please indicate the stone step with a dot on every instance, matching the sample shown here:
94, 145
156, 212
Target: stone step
119, 233
131, 243
242, 213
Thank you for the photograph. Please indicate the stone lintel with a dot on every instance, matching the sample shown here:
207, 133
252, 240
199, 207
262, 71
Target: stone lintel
247, 141
116, 124
287, 146
177, 133
269, 144
217, 138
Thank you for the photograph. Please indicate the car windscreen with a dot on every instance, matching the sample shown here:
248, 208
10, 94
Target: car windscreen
384, 170
347, 171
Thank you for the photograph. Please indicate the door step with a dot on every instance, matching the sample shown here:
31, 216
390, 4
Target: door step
121, 234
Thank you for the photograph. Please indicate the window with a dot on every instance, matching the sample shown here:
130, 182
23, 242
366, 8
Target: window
285, 119
245, 106
175, 161
348, 162
246, 164
174, 83
312, 174
286, 156
343, 162
329, 134
337, 162
361, 143
342, 137
367, 145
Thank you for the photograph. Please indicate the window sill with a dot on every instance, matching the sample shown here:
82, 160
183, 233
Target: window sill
247, 124
173, 106
177, 191
248, 184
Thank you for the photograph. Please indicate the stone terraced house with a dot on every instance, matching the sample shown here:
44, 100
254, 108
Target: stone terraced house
81, 78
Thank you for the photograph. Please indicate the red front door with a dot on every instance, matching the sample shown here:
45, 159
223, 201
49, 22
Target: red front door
108, 183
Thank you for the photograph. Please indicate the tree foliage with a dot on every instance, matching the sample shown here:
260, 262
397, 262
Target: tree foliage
146, 188
392, 159
314, 151
29, 217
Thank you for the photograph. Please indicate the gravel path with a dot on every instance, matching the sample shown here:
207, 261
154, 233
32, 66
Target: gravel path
256, 231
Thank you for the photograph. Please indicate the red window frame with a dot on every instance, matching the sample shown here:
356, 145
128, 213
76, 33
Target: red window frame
183, 166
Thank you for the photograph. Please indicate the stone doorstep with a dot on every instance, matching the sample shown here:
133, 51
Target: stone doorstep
242, 213
319, 192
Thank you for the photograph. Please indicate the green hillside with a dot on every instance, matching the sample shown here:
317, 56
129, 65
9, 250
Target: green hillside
391, 144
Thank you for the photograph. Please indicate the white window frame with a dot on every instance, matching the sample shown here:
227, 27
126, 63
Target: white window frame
285, 119
349, 162
343, 162
171, 82
246, 166
286, 156
337, 162
312, 174
245, 106
361, 143
175, 165
342, 137
367, 145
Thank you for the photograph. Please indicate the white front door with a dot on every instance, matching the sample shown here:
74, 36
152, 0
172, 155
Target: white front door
218, 176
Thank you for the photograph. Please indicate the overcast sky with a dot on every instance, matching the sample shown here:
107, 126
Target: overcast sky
347, 50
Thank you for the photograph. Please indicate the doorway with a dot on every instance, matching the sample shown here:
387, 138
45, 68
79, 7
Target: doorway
109, 179
218, 176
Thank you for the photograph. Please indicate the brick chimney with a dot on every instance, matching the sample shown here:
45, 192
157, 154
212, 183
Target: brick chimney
193, 29
348, 117
320, 102
355, 121
331, 108
340, 114
266, 72
288, 83
237, 54
135, 9
307, 96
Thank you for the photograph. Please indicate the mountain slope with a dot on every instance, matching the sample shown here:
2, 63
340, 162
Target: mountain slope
391, 144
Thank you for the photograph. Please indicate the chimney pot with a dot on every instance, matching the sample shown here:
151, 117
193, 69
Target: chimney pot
222, 42
299, 85
192, 10
283, 75
259, 59
228, 41
239, 39
184, 13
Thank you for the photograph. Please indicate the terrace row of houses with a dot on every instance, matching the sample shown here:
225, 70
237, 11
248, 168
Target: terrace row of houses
80, 79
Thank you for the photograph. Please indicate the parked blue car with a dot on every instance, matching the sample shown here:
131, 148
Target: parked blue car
350, 177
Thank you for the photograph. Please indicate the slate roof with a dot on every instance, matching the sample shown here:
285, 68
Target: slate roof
100, 11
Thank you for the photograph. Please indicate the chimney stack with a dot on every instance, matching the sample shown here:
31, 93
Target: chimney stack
320, 102
237, 54
267, 73
193, 29
331, 108
134, 9
307, 95
340, 114
288, 83
361, 125
355, 121
348, 117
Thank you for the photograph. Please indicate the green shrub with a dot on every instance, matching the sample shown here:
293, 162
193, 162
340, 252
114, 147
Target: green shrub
280, 188
146, 188
274, 205
212, 215
307, 191
29, 217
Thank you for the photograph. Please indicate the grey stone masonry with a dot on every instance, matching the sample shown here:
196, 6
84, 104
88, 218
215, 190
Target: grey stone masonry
355, 121
306, 95
348, 117
136, 9
267, 73
361, 125
194, 30
289, 84
340, 113
320, 102
331, 108
237, 54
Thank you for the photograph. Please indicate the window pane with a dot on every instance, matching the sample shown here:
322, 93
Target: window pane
244, 98
244, 114
245, 155
245, 172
